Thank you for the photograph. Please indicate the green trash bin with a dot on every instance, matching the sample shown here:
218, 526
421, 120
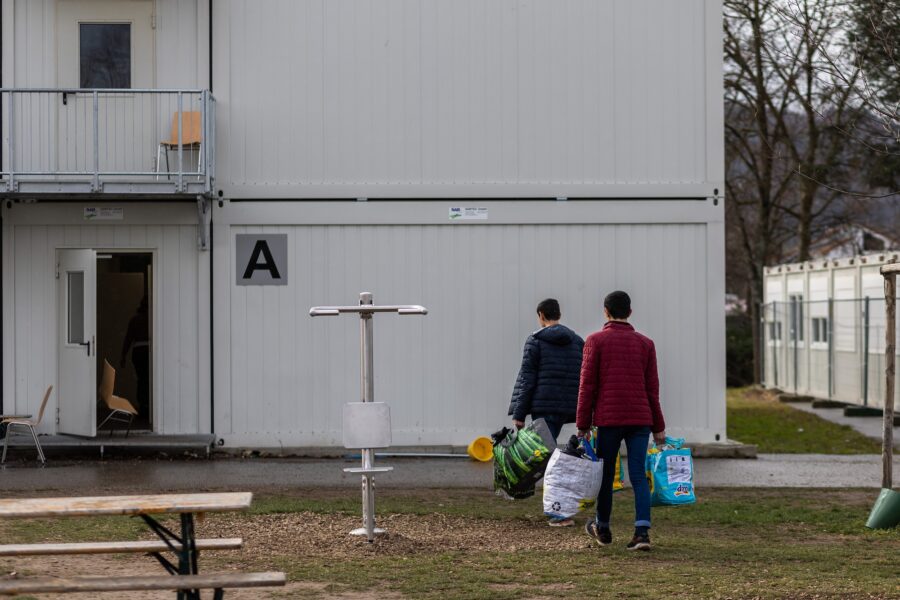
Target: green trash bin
886, 512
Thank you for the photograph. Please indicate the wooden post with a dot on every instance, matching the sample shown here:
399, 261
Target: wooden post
887, 442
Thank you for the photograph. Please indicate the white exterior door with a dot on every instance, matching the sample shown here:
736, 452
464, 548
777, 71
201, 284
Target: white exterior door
77, 301
106, 44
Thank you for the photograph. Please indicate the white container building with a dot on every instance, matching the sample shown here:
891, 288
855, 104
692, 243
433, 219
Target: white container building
472, 156
824, 328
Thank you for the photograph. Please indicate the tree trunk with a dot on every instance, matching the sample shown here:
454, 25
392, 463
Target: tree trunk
756, 335
805, 226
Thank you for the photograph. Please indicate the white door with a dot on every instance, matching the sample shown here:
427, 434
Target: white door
106, 44
77, 377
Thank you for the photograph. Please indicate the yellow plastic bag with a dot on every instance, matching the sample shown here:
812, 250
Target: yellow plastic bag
619, 480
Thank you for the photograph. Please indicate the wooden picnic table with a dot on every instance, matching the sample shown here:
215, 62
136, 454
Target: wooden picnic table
92, 506
146, 507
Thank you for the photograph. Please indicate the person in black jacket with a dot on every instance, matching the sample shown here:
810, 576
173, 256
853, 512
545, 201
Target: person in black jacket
547, 385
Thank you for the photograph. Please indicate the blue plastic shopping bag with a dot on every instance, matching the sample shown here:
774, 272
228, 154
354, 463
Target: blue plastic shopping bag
670, 470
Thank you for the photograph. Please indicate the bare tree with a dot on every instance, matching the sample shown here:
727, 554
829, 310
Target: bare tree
786, 130
757, 185
810, 28
860, 66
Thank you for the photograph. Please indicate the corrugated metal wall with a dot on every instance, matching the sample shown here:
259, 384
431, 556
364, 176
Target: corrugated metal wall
30, 311
282, 376
406, 98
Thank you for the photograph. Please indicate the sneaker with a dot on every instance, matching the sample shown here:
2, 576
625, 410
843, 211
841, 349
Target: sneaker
639, 542
560, 522
603, 536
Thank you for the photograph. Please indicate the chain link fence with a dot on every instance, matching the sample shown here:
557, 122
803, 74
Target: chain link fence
828, 349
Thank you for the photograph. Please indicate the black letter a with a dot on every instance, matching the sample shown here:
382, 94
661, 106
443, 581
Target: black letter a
261, 247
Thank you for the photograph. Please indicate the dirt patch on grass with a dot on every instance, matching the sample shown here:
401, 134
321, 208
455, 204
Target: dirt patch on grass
318, 536
326, 536
740, 544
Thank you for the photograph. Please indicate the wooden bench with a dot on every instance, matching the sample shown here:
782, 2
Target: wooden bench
183, 574
112, 547
65, 585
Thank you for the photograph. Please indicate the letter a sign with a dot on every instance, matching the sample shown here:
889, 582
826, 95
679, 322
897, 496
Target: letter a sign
261, 259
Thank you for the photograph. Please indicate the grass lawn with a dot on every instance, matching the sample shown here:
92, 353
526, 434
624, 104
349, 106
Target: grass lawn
755, 417
469, 544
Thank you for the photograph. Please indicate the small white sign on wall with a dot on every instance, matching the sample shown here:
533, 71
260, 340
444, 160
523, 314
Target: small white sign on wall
104, 213
466, 213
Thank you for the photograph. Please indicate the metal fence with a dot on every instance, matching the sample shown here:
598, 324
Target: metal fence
99, 135
831, 348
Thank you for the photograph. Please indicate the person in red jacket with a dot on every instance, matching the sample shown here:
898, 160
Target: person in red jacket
619, 393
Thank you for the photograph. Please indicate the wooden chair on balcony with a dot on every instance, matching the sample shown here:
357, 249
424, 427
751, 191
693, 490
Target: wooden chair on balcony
191, 139
120, 409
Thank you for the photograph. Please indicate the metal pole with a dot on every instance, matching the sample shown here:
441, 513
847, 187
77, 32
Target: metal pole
366, 310
369, 350
830, 330
204, 135
11, 186
96, 142
795, 333
865, 378
785, 343
367, 380
775, 340
180, 143
887, 441
762, 344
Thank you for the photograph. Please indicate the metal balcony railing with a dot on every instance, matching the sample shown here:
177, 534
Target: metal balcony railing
107, 141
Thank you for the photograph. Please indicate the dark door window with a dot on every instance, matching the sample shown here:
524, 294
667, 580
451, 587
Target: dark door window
105, 55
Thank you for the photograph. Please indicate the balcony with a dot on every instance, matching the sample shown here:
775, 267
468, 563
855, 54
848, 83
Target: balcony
107, 142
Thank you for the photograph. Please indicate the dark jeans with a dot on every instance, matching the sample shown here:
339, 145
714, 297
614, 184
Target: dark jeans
636, 440
554, 423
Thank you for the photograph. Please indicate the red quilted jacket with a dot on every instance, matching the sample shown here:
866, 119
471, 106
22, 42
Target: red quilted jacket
619, 382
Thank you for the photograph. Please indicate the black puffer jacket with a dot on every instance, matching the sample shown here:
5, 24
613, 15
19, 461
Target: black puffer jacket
549, 376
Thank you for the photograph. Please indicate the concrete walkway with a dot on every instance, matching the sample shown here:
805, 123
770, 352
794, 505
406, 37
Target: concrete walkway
868, 426
272, 475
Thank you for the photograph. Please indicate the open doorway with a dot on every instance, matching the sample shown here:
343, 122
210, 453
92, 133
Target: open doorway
124, 334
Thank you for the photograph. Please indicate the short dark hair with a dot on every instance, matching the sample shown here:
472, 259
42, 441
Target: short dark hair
618, 304
550, 309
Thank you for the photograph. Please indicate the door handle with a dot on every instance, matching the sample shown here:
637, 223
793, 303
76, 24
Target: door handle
87, 346
65, 98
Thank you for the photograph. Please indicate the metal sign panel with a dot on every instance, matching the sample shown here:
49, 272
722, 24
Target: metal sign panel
367, 425
261, 259
103, 213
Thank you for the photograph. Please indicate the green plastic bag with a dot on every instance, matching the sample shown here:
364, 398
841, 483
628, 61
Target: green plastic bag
520, 458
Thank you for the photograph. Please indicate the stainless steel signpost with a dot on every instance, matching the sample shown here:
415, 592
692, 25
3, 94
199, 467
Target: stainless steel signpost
367, 424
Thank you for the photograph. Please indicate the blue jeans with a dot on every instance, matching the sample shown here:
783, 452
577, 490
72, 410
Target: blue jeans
636, 440
554, 423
